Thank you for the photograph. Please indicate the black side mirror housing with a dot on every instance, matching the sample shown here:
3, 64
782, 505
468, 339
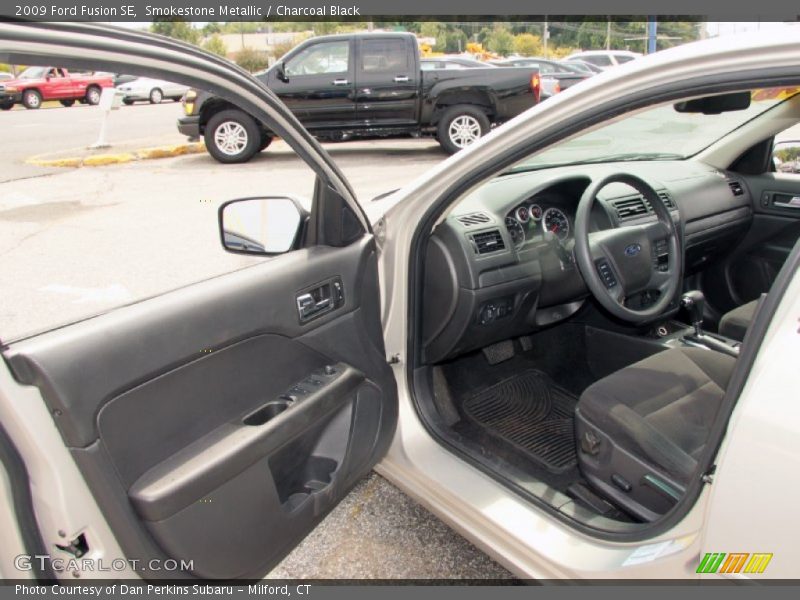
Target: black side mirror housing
280, 72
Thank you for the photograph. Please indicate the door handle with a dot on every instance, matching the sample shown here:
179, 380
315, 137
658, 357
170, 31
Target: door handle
341, 82
308, 306
401, 79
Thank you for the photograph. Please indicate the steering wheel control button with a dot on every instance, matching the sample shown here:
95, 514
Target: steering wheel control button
606, 274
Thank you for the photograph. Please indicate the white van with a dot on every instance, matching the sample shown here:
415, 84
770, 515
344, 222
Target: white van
604, 59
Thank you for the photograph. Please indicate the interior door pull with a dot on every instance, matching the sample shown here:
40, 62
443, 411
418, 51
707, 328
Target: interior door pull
308, 306
401, 79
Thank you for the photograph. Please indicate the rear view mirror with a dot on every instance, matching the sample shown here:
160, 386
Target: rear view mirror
714, 105
261, 226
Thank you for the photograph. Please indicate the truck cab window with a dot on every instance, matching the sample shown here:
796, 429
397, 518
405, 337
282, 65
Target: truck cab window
320, 59
384, 55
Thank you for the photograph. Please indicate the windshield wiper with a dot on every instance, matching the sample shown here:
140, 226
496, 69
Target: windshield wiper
621, 157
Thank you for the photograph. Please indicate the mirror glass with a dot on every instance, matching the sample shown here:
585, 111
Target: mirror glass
786, 156
260, 225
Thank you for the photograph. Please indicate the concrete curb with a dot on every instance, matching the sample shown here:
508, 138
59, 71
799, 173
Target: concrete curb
101, 160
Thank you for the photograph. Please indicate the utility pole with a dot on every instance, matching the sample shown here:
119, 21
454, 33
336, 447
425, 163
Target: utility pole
545, 35
608, 33
652, 32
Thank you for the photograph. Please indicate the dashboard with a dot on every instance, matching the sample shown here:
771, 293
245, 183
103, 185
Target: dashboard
501, 263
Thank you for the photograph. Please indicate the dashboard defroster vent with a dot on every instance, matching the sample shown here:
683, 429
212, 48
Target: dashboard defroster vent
485, 242
630, 208
474, 219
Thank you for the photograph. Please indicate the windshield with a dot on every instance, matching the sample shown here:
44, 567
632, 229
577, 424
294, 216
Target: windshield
656, 133
33, 73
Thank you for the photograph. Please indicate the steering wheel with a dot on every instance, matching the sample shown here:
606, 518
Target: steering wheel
618, 263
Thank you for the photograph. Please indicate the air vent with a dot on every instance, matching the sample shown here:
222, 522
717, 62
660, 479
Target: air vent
736, 187
667, 200
473, 219
630, 208
488, 241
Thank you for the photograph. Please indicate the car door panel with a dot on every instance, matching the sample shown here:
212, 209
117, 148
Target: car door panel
773, 234
169, 407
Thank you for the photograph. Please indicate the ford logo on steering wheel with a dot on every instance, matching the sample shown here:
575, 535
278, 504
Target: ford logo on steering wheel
632, 249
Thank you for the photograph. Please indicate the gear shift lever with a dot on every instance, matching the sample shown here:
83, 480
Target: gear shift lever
694, 302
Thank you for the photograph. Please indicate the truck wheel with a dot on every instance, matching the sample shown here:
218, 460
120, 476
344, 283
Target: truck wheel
93, 95
232, 136
127, 101
7, 106
156, 96
461, 126
31, 99
67, 103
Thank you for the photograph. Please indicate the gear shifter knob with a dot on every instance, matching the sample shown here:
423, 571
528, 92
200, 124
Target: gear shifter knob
694, 302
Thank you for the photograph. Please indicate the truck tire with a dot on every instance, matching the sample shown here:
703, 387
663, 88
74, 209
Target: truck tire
461, 126
93, 95
232, 136
156, 96
127, 101
31, 99
7, 106
67, 103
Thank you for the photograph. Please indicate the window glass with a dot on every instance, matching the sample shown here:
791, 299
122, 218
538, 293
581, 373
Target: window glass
77, 242
384, 56
623, 58
601, 60
786, 151
319, 59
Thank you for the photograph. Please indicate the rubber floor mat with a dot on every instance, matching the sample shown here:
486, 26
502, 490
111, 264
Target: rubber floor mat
531, 413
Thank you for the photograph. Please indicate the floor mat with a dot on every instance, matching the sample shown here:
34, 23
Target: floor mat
532, 414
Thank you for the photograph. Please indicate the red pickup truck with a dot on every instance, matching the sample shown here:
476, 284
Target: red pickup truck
38, 84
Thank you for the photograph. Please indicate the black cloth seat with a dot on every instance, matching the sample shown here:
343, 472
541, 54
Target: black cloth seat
734, 324
641, 430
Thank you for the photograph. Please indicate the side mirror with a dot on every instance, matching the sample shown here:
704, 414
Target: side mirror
280, 72
262, 226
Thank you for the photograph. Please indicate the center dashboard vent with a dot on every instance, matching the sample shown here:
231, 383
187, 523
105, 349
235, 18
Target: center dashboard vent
485, 242
473, 219
736, 187
667, 200
630, 208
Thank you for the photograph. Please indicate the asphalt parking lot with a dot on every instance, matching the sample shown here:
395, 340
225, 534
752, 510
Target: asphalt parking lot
76, 242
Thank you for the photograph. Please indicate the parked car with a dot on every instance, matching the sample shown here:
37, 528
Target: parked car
435, 63
604, 59
39, 84
5, 76
365, 85
154, 91
526, 312
566, 75
584, 66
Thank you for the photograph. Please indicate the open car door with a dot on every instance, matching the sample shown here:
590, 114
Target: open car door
218, 423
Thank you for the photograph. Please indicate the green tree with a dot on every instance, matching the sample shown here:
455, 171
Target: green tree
180, 30
500, 41
251, 60
454, 41
211, 28
528, 44
215, 45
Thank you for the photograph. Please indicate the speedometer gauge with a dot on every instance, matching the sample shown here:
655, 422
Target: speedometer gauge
556, 221
517, 232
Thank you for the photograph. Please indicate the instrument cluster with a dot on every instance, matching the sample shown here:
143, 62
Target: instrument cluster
531, 219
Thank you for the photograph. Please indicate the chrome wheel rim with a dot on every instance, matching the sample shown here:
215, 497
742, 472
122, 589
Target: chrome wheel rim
464, 130
231, 138
33, 100
94, 96
156, 97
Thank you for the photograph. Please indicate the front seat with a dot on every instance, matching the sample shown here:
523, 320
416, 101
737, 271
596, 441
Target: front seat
641, 430
734, 324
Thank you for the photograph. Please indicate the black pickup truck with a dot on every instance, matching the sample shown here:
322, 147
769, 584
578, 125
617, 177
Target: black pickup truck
365, 85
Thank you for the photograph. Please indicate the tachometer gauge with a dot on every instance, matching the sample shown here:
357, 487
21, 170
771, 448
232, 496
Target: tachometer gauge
556, 221
536, 212
517, 232
523, 214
